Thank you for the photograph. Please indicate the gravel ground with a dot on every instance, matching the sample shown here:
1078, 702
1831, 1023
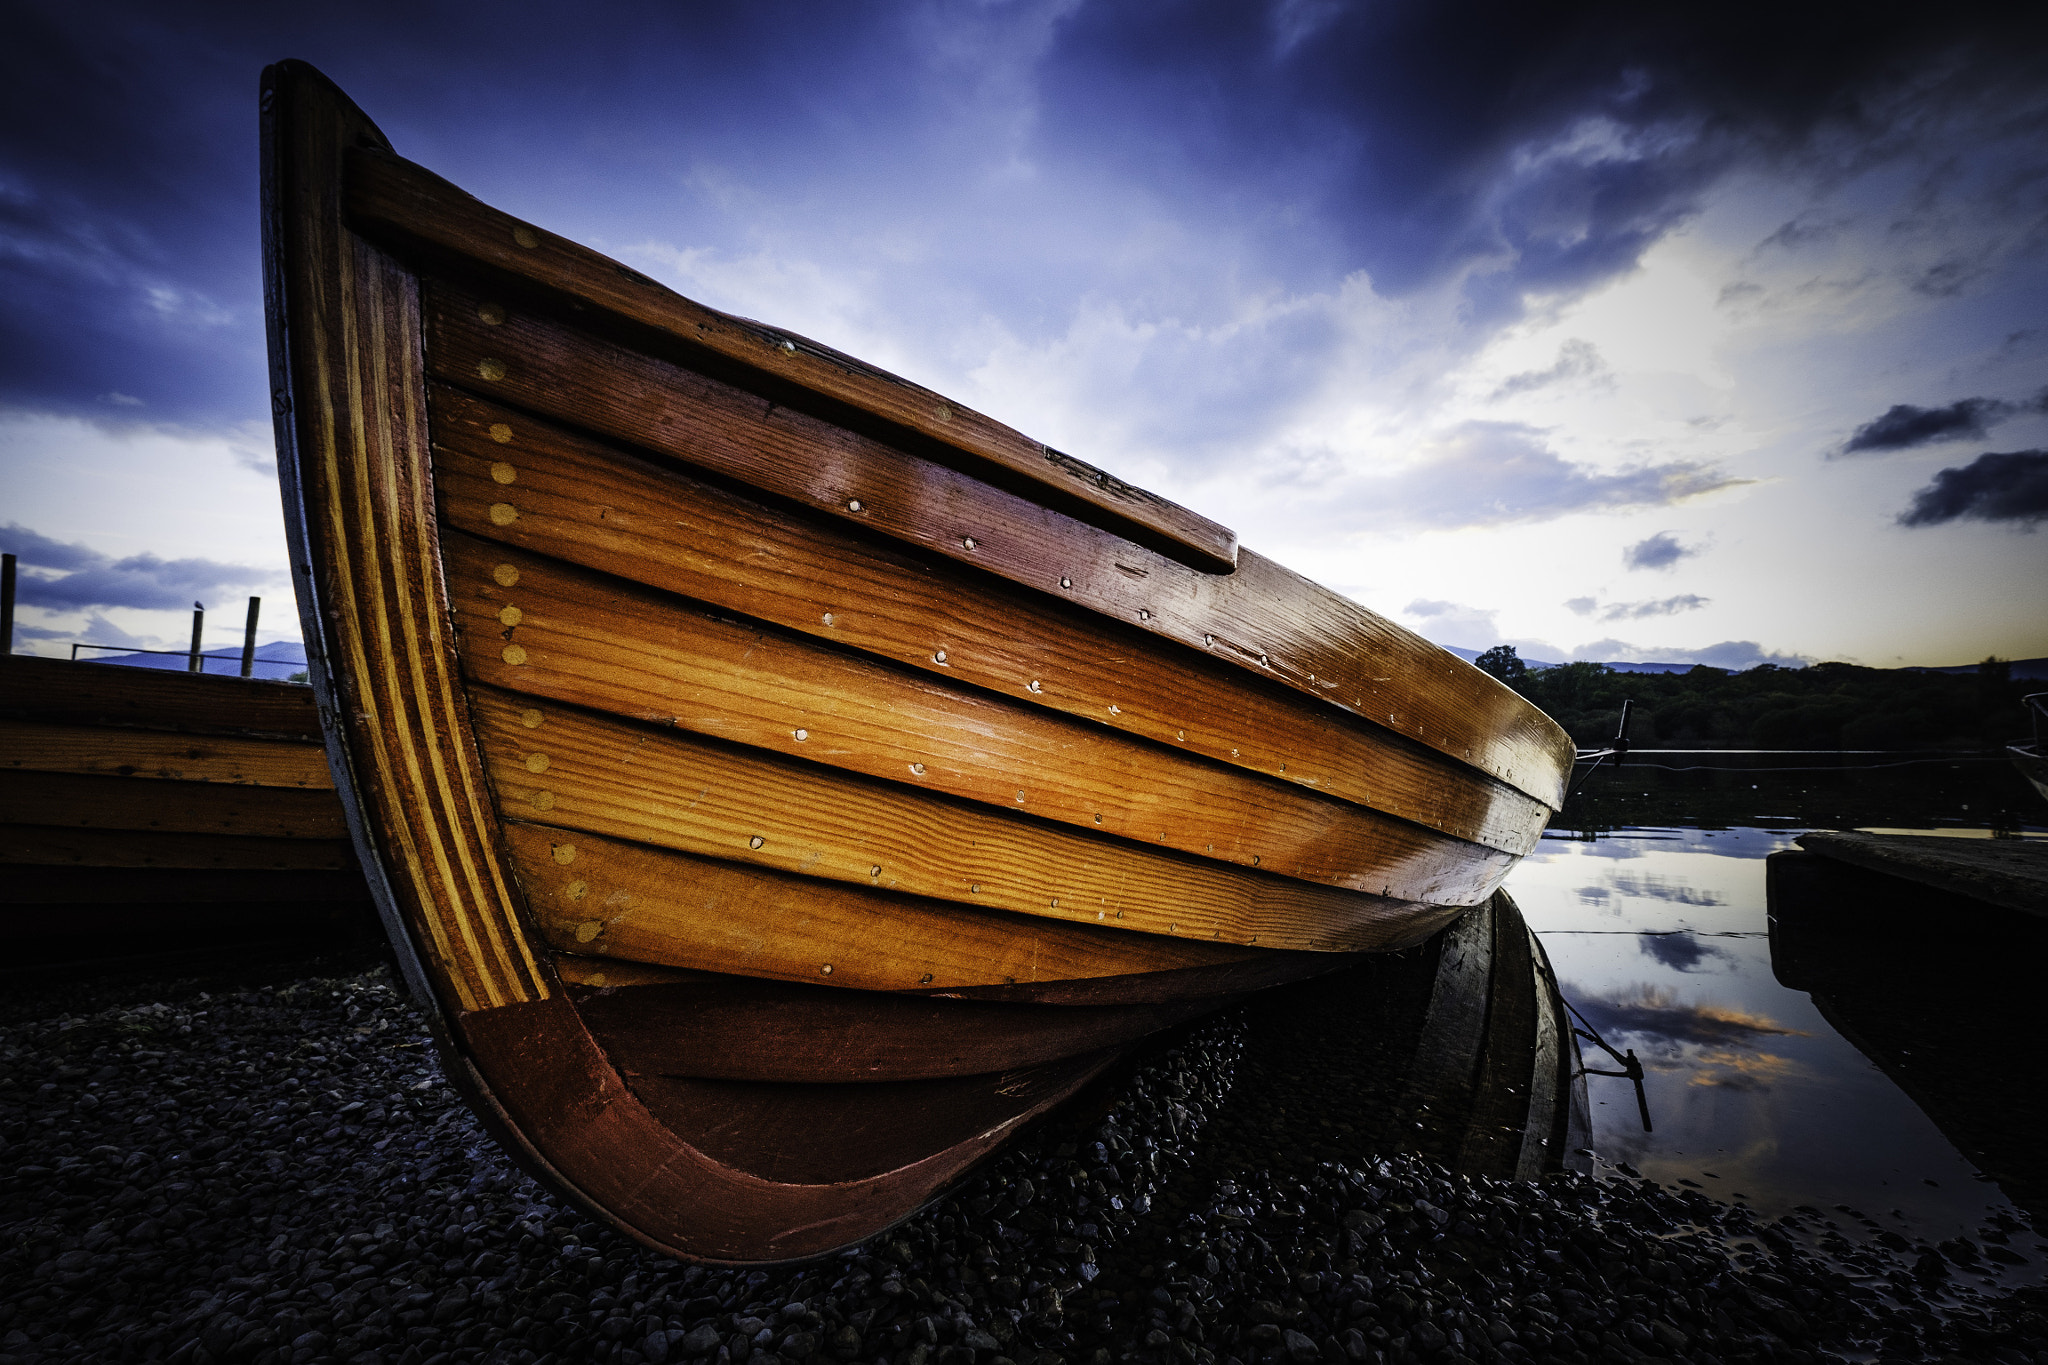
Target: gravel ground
228, 1170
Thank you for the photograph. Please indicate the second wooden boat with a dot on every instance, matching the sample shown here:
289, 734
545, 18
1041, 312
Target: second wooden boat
145, 812
785, 782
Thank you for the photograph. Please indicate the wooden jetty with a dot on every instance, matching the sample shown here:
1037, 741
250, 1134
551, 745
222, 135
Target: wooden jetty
2012, 873
783, 781
142, 811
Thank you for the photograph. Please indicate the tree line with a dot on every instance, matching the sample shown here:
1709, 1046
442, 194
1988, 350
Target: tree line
1822, 706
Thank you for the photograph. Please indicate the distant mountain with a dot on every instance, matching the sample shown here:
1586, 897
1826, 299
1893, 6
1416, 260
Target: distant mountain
2023, 670
277, 660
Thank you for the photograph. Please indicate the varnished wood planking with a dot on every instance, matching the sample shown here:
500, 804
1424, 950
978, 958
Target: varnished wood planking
586, 772
387, 190
154, 699
740, 1030
154, 848
26, 746
770, 1130
1261, 618
568, 635
91, 801
345, 338
517, 480
288, 891
594, 895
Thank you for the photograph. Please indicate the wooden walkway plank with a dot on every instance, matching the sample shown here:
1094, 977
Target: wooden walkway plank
2012, 873
97, 801
26, 746
594, 895
633, 782
154, 848
154, 699
515, 480
567, 635
1261, 618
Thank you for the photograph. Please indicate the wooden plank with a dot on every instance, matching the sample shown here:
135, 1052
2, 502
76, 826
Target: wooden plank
2012, 873
774, 1032
571, 636
1262, 618
584, 772
653, 905
345, 344
156, 848
387, 191
565, 1109
40, 885
1501, 1109
155, 699
547, 490
774, 1132
85, 801
26, 746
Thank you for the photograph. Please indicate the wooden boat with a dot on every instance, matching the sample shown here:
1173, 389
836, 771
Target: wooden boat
1459, 1050
143, 811
784, 781
1938, 989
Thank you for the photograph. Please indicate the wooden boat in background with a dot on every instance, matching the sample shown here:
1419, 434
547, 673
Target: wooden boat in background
2032, 759
784, 781
142, 811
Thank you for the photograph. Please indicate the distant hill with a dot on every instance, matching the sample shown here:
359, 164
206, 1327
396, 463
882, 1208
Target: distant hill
2022, 670
277, 660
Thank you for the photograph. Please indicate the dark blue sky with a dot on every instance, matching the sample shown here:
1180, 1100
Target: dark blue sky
1270, 255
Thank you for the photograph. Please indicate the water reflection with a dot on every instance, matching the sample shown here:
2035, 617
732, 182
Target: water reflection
1661, 936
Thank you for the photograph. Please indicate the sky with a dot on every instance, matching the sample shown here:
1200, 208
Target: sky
1684, 332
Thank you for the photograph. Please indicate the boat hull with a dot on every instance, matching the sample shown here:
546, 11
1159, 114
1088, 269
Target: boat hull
783, 783
145, 812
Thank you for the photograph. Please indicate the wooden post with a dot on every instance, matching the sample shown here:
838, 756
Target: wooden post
6, 604
198, 623
249, 637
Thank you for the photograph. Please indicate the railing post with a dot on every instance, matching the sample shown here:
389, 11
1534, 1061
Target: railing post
6, 604
198, 624
249, 637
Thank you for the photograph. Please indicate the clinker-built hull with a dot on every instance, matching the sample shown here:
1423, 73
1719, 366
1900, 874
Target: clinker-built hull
784, 782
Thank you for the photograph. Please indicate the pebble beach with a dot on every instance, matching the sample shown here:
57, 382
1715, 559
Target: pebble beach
267, 1166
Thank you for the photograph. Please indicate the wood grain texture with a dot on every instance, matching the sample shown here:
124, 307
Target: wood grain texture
1262, 618
73, 885
586, 772
771, 1131
388, 191
567, 635
346, 343
26, 746
77, 801
576, 500
739, 1030
155, 699
569, 1115
637, 904
155, 848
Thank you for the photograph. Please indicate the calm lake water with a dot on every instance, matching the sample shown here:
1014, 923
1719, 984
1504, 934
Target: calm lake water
1651, 898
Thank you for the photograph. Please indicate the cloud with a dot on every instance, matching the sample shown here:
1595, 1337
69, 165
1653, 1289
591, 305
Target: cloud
1680, 952
1655, 1014
2010, 486
1576, 359
1637, 611
1497, 473
1652, 887
86, 578
1660, 551
1665, 606
1904, 426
